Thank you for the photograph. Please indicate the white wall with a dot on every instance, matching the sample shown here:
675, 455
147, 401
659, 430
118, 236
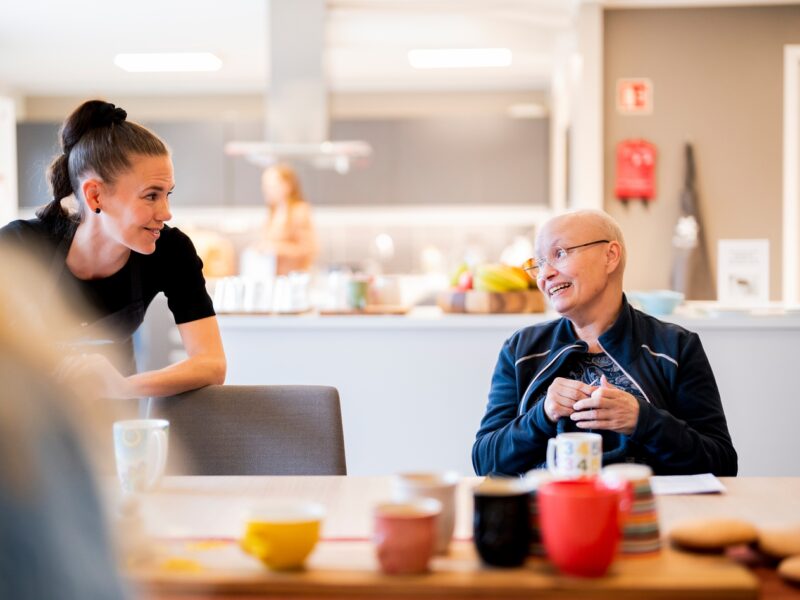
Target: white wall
8, 160
586, 143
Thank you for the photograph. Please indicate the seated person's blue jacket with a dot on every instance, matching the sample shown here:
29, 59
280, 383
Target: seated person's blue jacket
681, 427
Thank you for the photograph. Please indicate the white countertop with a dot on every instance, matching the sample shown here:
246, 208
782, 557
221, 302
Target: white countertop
431, 317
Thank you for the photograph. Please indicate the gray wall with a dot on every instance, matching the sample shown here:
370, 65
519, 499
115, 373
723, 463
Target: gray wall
455, 160
37, 144
717, 75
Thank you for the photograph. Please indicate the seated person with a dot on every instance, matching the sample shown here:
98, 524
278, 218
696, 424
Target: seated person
646, 386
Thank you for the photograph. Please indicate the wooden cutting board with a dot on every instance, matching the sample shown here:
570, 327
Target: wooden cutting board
525, 301
370, 309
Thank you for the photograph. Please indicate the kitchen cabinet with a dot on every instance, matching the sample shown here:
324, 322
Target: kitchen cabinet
417, 161
197, 155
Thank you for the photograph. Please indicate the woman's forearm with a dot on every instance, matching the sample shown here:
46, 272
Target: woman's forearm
194, 372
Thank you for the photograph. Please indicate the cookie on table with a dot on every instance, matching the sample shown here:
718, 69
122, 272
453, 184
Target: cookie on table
712, 535
779, 543
789, 569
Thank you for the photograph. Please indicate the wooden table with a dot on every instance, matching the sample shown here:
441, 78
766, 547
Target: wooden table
195, 522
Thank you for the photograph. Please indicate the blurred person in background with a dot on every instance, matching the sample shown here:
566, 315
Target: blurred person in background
288, 233
645, 385
54, 542
215, 250
117, 253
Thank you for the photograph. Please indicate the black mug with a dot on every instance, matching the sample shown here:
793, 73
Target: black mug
501, 524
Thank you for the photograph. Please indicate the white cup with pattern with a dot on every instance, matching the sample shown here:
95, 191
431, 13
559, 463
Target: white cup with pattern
140, 449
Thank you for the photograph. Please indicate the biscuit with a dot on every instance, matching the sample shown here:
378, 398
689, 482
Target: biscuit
780, 543
789, 569
708, 535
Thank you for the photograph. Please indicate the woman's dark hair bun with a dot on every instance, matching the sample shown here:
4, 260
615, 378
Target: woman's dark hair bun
108, 114
90, 115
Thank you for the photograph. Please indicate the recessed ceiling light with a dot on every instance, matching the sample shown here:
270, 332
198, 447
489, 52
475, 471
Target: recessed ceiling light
163, 62
457, 58
527, 110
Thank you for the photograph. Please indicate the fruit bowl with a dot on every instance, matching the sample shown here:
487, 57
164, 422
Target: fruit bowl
490, 288
655, 302
475, 301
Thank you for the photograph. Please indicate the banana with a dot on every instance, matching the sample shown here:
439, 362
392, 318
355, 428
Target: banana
521, 275
486, 283
462, 268
500, 278
516, 275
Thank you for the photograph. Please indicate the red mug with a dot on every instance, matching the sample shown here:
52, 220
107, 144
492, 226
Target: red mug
581, 524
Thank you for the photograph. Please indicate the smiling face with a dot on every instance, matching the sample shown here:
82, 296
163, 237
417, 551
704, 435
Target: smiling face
136, 205
589, 281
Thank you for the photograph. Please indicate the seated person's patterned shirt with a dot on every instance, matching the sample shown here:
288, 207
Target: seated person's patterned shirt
588, 368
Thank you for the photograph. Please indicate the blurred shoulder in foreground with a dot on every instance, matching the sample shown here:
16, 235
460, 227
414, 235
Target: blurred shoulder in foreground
53, 539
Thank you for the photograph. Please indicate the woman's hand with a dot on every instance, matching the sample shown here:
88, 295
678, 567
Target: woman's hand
608, 408
94, 372
562, 395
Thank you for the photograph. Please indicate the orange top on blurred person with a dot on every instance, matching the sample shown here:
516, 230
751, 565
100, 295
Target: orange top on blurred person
289, 231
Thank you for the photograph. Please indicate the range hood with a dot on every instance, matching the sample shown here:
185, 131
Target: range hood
297, 100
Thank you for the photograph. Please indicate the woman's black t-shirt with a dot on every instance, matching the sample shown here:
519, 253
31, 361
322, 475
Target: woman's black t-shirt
117, 303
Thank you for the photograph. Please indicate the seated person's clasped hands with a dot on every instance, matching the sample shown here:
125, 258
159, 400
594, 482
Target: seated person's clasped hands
644, 385
592, 407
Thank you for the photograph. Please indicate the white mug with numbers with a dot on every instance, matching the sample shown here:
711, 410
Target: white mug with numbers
575, 455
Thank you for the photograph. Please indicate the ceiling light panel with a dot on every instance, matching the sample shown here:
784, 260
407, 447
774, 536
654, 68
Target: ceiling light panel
168, 62
459, 58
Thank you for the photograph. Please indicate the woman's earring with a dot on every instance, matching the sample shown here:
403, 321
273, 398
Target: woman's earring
97, 210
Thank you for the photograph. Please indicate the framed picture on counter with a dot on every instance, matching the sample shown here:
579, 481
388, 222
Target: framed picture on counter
743, 272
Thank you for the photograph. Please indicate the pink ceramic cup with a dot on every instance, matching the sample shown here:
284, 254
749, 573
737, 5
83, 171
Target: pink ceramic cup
405, 535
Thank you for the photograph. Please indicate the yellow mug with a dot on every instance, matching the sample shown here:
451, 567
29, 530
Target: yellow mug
283, 535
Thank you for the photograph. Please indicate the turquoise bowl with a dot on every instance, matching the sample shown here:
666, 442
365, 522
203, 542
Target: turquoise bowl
656, 302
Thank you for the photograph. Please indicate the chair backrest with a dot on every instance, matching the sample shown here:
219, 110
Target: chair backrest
255, 430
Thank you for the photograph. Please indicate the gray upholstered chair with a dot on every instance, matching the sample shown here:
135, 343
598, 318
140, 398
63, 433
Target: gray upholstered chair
255, 430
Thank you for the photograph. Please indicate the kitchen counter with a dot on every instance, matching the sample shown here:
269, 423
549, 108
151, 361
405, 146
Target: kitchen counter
425, 317
432, 317
414, 387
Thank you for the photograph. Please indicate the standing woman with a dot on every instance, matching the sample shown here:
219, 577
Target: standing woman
289, 231
111, 258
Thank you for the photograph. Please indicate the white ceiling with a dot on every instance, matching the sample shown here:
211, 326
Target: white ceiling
57, 47
66, 47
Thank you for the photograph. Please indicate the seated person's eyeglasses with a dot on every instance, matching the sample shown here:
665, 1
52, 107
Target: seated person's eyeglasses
556, 257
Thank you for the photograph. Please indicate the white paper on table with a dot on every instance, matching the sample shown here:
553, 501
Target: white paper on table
704, 483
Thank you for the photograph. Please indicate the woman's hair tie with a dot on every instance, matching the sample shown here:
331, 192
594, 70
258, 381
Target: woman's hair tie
108, 114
